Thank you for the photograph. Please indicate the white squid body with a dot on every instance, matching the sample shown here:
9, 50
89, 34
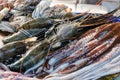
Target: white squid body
38, 12
4, 12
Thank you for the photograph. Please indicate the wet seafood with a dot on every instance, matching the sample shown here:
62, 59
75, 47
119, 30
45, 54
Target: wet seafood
59, 55
18, 4
23, 5
5, 26
34, 57
87, 21
8, 17
59, 37
4, 67
100, 19
106, 34
23, 34
45, 22
45, 45
68, 32
31, 5
56, 12
37, 23
18, 21
12, 49
32, 45
3, 13
9, 75
6, 5
44, 4
80, 63
33, 24
17, 13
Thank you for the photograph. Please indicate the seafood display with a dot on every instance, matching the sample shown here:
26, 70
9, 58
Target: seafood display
40, 42
95, 55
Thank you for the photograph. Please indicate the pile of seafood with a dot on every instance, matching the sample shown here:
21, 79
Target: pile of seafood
39, 42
